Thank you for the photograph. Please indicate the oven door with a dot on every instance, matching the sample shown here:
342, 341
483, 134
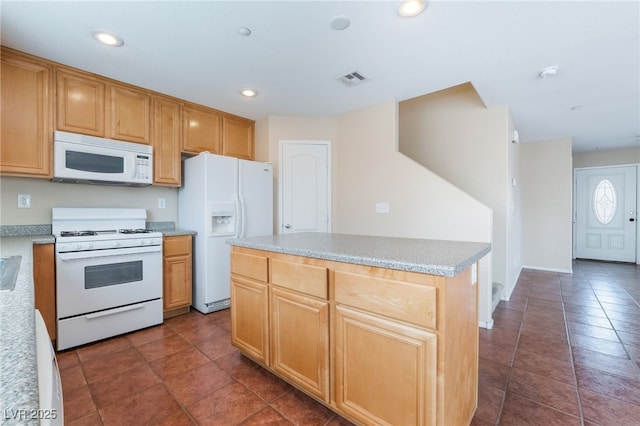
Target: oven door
91, 281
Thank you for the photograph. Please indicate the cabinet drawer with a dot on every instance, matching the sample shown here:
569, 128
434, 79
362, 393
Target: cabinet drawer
175, 246
409, 302
307, 279
249, 265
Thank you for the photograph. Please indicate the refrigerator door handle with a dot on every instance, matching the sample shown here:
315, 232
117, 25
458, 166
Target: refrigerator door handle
239, 217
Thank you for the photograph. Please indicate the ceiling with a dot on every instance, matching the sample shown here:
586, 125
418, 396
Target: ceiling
193, 50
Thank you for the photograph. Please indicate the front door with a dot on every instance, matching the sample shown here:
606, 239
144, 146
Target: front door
605, 215
305, 186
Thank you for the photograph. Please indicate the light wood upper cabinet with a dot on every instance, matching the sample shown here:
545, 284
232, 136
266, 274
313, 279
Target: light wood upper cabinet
40, 96
237, 137
26, 125
202, 129
81, 103
130, 115
167, 141
94, 106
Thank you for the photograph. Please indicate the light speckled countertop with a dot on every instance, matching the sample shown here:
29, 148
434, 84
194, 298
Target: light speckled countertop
18, 365
435, 257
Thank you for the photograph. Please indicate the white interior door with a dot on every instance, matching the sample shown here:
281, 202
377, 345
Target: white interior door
305, 186
605, 216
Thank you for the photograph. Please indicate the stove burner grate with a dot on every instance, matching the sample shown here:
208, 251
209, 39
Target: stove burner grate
135, 231
77, 233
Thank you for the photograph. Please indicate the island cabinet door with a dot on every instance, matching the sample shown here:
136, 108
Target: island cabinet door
385, 372
300, 340
250, 317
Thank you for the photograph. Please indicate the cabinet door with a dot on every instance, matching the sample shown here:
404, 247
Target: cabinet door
250, 317
167, 141
177, 282
300, 340
385, 372
201, 130
81, 103
130, 115
237, 137
44, 285
26, 119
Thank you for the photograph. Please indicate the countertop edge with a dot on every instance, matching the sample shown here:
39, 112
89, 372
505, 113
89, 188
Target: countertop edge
425, 267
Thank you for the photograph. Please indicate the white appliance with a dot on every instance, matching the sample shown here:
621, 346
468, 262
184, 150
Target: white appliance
108, 273
221, 198
87, 159
51, 411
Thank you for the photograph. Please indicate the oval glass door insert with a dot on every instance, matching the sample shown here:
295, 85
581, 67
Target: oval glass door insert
604, 201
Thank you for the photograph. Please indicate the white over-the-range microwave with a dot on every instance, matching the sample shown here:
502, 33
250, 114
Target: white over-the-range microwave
88, 159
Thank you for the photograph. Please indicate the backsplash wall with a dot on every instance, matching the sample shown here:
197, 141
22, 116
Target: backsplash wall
46, 194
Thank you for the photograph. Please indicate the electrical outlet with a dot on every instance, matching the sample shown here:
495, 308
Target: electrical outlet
24, 201
161, 203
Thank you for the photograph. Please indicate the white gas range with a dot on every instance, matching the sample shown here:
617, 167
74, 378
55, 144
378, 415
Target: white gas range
108, 273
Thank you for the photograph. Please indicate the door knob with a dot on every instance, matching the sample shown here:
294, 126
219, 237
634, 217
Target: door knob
631, 219
287, 226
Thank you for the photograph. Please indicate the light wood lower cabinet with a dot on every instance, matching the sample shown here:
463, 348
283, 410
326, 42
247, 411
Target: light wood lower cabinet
377, 346
300, 340
250, 317
44, 285
385, 371
177, 275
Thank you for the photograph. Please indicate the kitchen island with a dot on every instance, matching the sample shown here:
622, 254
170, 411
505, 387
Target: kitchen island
381, 330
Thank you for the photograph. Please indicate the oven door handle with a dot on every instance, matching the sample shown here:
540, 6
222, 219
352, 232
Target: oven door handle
92, 254
114, 311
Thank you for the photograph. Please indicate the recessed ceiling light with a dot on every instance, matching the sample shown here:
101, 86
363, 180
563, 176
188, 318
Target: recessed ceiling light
548, 71
410, 8
576, 107
249, 93
244, 31
339, 22
108, 39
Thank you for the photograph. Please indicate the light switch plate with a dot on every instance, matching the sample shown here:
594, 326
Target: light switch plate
382, 208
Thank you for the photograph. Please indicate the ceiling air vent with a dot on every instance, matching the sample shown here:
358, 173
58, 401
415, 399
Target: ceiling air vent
352, 79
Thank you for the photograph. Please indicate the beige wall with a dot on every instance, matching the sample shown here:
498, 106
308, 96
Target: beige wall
46, 194
547, 194
452, 133
514, 214
368, 169
611, 157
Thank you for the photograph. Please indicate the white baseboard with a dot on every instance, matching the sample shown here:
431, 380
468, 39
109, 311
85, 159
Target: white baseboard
486, 324
542, 268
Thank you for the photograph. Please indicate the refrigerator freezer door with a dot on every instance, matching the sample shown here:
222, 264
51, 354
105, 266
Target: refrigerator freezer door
255, 197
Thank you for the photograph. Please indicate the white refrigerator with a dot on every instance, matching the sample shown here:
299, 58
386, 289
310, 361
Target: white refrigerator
222, 198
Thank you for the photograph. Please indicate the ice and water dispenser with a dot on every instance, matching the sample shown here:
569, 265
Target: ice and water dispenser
223, 218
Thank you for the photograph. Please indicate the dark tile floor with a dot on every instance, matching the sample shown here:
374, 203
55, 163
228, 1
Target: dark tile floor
564, 350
